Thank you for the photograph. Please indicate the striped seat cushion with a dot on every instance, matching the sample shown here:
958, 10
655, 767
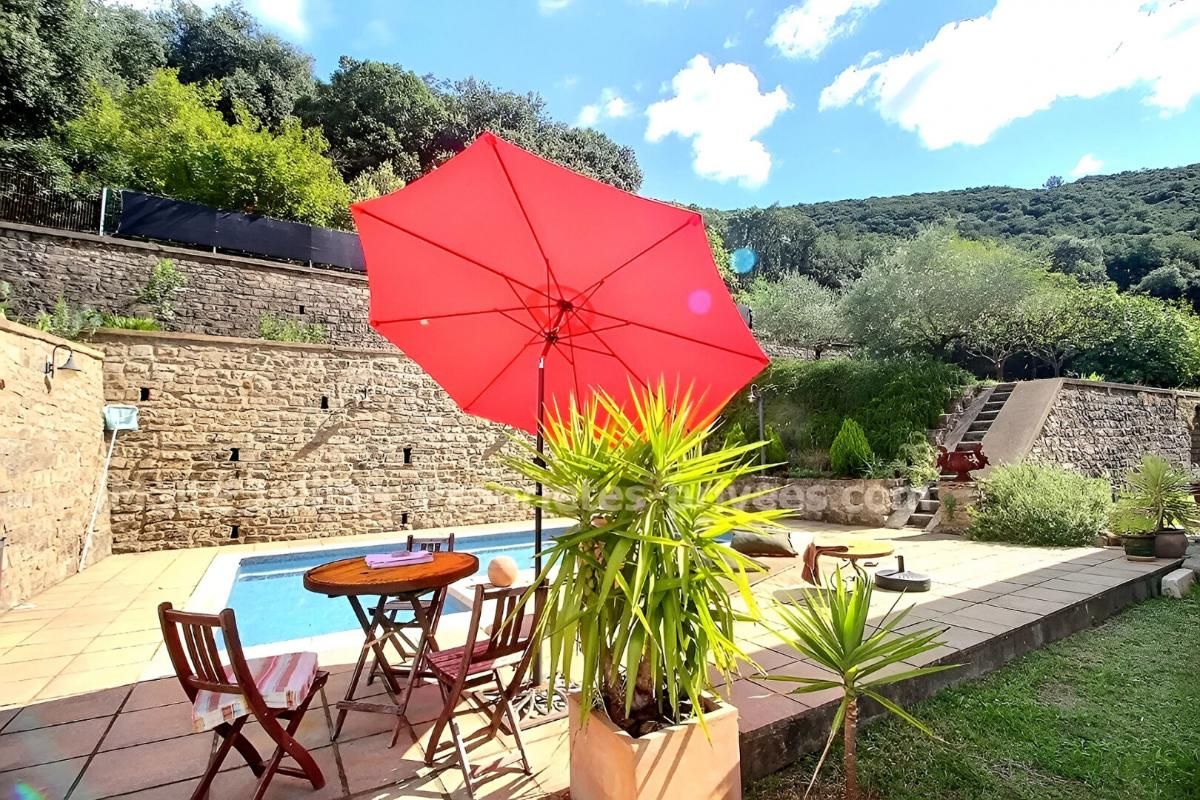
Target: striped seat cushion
283, 681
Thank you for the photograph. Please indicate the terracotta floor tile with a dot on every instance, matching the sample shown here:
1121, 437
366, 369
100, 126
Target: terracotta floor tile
758, 706
982, 626
369, 764
17, 616
241, 782
57, 743
9, 640
149, 694
1029, 604
159, 763
151, 725
38, 652
42, 668
47, 782
1083, 588
121, 640
1004, 616
139, 655
18, 693
91, 681
70, 709
172, 791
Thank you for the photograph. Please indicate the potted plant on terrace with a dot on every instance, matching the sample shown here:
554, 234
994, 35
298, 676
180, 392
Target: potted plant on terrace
640, 605
1155, 510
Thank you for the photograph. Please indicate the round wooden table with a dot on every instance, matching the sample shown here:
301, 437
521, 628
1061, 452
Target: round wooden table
353, 579
863, 550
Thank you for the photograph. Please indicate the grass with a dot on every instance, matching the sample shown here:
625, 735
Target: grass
1107, 714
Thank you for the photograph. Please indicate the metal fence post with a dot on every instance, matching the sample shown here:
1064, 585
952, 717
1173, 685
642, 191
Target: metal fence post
103, 207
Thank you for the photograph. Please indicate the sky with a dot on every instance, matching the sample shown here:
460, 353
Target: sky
731, 104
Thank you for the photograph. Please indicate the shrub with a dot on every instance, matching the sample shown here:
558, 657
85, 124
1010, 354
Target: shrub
165, 281
1157, 496
5, 293
67, 321
120, 322
850, 454
1041, 505
894, 400
278, 329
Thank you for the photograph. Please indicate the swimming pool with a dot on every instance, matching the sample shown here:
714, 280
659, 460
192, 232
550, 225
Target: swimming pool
272, 605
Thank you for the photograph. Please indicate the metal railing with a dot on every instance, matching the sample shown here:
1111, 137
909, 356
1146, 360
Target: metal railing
33, 199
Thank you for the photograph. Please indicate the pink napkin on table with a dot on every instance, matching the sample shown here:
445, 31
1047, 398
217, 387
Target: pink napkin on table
401, 559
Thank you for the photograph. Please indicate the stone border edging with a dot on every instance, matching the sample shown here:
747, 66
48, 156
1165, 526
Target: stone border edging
17, 329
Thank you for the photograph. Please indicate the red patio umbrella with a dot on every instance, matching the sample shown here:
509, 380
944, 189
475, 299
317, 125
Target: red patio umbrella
515, 282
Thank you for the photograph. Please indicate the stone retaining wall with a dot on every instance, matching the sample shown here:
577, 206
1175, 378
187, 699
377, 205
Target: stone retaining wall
1102, 429
51, 457
847, 502
225, 295
329, 441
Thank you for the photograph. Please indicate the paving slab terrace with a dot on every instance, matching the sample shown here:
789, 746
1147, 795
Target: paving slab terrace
88, 712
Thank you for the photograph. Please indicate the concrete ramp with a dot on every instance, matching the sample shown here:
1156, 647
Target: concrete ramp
1019, 422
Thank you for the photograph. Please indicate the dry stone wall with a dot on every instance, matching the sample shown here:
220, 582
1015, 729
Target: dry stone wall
1103, 429
225, 295
249, 441
51, 457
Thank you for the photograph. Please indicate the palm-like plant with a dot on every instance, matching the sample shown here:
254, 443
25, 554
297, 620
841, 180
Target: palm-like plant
831, 630
1157, 496
640, 588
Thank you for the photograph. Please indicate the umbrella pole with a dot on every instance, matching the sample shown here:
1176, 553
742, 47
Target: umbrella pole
537, 510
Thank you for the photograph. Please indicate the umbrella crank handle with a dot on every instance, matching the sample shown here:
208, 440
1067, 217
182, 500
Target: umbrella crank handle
900, 564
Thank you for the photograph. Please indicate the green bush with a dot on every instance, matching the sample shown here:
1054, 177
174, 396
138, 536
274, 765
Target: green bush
67, 321
850, 454
1041, 505
279, 329
892, 399
121, 322
165, 281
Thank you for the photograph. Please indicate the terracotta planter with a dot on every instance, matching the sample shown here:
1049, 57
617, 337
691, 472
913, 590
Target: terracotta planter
1171, 543
676, 763
1139, 547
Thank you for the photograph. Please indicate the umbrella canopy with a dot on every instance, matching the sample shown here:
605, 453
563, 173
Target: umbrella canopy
500, 259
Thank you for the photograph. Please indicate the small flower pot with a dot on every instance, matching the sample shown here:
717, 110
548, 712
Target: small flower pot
1139, 547
1170, 543
675, 763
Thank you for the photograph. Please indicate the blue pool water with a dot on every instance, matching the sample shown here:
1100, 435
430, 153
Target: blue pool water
272, 605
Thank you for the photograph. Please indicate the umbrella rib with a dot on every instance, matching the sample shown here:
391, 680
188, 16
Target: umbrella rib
450, 314
682, 336
550, 276
591, 290
628, 369
520, 351
453, 252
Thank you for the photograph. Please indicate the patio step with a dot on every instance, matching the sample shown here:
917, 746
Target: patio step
927, 506
919, 520
987, 416
972, 436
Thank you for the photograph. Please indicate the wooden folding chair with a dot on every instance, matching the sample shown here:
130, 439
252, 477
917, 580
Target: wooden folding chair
462, 672
224, 698
399, 632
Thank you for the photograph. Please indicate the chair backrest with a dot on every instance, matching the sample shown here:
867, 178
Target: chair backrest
192, 645
432, 544
511, 631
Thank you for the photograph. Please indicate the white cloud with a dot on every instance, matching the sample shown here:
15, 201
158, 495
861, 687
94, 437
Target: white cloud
550, 6
730, 42
287, 16
721, 110
976, 76
610, 106
804, 30
1088, 165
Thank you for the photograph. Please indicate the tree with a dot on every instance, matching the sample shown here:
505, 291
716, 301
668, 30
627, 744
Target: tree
1141, 339
783, 239
257, 71
374, 112
721, 258
797, 311
131, 45
933, 291
44, 66
1081, 258
169, 138
474, 106
1061, 325
1053, 182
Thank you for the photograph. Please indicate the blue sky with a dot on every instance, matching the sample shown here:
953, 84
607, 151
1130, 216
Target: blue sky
732, 104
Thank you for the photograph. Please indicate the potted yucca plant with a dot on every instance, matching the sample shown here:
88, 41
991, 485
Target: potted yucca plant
832, 631
640, 603
1155, 510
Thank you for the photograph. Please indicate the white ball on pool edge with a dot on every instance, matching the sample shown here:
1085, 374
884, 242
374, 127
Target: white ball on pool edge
502, 571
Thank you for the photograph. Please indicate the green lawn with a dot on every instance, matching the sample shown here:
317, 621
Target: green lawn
1112, 712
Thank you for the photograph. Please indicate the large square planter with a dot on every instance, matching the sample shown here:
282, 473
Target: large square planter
676, 763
